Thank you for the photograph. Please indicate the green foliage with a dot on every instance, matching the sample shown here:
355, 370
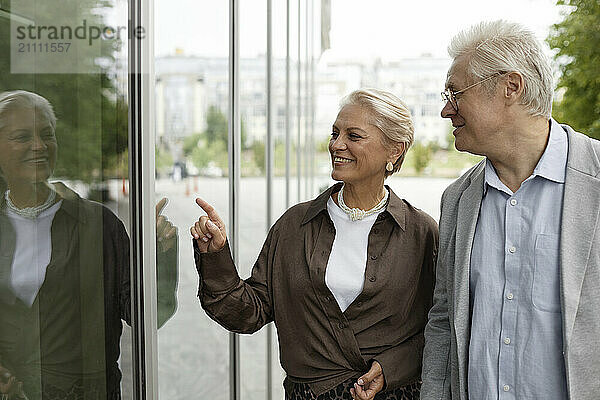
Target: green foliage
192, 142
92, 114
258, 153
215, 152
577, 39
421, 156
216, 126
163, 159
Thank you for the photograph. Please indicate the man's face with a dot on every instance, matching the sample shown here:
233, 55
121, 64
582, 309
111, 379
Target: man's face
27, 146
477, 121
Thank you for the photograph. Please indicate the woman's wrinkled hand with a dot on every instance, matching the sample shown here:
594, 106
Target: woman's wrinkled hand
9, 384
209, 230
368, 385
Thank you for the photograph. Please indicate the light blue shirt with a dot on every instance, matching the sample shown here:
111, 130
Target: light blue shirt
515, 349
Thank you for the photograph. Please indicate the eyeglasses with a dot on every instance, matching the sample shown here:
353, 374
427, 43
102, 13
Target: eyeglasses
449, 95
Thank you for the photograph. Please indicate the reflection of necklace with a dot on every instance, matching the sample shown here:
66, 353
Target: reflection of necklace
356, 214
30, 212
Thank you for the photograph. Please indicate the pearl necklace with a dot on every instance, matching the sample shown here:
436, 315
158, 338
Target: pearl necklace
356, 214
30, 212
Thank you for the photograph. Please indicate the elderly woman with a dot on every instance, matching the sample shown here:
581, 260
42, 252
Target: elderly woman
347, 277
64, 269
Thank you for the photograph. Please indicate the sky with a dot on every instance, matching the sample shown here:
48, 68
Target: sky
389, 29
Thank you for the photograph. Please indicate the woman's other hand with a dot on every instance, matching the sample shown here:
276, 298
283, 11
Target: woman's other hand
368, 385
209, 230
9, 385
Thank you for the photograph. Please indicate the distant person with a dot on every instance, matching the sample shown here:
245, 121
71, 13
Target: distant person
64, 269
347, 277
516, 310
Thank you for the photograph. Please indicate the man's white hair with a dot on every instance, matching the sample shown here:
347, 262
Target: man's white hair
502, 46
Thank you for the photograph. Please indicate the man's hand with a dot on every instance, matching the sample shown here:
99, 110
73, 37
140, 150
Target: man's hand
209, 230
166, 233
368, 385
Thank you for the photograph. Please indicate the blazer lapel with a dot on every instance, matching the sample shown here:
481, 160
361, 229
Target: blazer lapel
468, 212
580, 217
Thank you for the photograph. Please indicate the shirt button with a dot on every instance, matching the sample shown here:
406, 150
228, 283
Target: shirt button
341, 325
331, 229
509, 296
372, 279
373, 257
512, 249
327, 298
513, 202
506, 388
359, 304
506, 340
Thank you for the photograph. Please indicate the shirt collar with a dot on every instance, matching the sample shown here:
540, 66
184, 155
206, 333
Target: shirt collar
395, 207
552, 164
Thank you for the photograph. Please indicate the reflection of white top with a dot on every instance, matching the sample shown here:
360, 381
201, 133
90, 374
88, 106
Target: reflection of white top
345, 273
32, 252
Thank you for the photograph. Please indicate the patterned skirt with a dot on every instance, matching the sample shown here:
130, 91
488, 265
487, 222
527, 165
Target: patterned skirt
301, 391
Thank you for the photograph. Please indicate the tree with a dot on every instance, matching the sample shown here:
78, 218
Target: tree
577, 39
216, 126
421, 155
92, 114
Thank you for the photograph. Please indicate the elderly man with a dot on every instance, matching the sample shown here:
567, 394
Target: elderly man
516, 310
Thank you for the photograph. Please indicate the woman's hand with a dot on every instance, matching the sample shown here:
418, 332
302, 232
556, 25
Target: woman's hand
166, 233
368, 385
9, 385
209, 230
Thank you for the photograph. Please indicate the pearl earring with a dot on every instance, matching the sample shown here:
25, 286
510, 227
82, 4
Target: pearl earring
389, 167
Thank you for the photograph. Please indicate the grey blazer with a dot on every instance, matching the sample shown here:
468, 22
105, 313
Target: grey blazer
448, 330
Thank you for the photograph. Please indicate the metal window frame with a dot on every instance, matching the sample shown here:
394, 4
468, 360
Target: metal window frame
234, 168
269, 150
141, 204
142, 166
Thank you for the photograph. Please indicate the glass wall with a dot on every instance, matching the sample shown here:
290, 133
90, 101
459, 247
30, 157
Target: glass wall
64, 246
229, 92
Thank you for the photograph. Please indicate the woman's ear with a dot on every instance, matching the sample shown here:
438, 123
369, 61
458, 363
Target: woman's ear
398, 151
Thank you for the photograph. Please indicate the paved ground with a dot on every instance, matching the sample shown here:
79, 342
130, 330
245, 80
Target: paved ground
193, 350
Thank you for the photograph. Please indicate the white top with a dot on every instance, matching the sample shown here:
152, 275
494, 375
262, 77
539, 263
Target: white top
345, 273
32, 252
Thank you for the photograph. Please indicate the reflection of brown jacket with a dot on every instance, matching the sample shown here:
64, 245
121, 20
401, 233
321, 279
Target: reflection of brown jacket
68, 341
318, 343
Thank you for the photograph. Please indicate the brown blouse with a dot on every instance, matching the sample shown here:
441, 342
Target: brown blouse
319, 344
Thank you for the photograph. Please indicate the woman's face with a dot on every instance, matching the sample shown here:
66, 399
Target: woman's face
27, 146
356, 147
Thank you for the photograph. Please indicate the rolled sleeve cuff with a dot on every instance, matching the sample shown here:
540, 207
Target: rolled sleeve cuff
216, 270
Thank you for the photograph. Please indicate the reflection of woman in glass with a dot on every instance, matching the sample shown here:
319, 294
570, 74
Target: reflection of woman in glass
64, 269
347, 277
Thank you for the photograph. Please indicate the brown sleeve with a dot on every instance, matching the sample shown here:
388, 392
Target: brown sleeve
237, 305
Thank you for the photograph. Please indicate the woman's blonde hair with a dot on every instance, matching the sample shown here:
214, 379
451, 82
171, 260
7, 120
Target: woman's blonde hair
23, 99
389, 114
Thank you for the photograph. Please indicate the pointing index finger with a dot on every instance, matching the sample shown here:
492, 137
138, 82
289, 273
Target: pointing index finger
209, 210
160, 206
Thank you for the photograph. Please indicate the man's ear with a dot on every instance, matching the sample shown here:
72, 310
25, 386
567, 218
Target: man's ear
514, 87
